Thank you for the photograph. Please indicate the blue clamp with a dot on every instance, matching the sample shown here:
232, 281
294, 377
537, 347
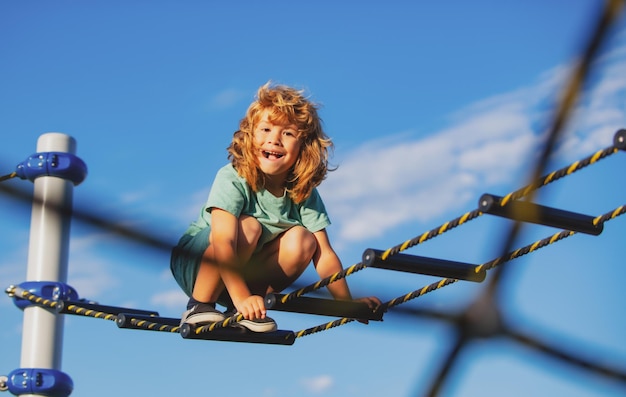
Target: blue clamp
46, 289
46, 382
59, 164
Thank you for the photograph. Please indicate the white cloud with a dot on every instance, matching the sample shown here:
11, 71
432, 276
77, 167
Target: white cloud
13, 264
12, 272
193, 204
88, 273
383, 183
227, 98
172, 299
386, 183
91, 278
319, 384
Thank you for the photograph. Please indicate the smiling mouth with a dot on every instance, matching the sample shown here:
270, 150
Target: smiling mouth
271, 155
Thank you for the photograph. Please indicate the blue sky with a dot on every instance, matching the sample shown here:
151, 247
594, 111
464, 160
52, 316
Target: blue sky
429, 106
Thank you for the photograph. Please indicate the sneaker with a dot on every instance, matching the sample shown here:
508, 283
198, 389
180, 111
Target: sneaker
266, 324
201, 314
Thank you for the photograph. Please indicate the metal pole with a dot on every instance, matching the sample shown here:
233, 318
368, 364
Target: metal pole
42, 338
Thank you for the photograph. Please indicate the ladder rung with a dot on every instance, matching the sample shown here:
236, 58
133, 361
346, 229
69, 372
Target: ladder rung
62, 308
324, 307
124, 320
421, 265
538, 214
239, 334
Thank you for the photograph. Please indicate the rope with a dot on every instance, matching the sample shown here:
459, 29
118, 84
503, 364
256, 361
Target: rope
15, 291
153, 326
552, 177
487, 266
323, 327
556, 175
219, 324
7, 177
323, 282
75, 309
21, 293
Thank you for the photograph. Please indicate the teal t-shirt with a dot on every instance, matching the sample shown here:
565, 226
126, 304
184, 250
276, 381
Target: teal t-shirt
231, 192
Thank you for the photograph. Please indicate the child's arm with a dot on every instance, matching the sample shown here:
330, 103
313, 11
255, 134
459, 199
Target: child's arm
224, 233
327, 263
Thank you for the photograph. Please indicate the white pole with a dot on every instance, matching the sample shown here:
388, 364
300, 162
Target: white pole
42, 338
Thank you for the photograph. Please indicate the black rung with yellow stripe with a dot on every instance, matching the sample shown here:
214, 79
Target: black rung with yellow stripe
238, 334
619, 140
422, 265
534, 213
79, 307
324, 307
154, 323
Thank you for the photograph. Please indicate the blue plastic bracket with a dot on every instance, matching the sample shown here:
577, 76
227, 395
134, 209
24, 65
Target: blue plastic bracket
46, 289
47, 382
59, 164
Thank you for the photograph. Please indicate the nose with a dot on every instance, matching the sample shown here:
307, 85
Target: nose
273, 137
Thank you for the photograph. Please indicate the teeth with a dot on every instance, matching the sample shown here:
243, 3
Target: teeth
267, 154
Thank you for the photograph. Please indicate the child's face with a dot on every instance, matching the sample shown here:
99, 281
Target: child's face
279, 146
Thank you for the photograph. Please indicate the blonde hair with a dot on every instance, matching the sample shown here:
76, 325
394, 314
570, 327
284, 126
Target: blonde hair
287, 106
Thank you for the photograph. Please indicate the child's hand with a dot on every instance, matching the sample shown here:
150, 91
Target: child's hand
372, 302
252, 307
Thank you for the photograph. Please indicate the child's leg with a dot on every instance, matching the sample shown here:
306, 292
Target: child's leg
282, 261
208, 285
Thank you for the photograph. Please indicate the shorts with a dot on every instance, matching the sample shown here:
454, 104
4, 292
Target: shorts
186, 258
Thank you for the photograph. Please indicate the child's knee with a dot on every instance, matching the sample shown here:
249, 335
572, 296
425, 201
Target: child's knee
250, 229
310, 244
303, 243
